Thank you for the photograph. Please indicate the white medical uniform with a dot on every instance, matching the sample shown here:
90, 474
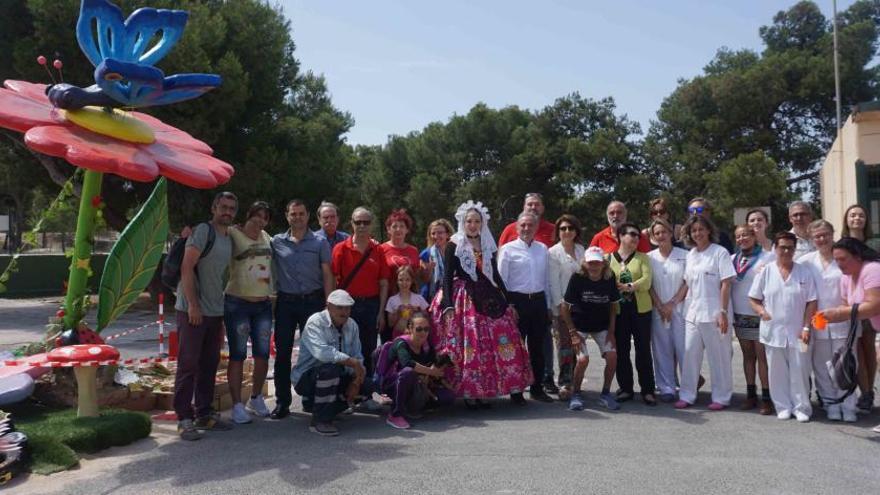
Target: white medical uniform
785, 301
704, 273
824, 342
667, 337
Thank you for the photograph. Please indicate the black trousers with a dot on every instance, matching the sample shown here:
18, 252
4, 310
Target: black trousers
636, 327
291, 312
532, 323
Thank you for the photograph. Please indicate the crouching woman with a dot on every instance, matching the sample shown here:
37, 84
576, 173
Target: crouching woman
419, 376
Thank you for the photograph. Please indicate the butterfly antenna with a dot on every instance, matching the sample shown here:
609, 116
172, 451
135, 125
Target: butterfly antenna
42, 61
58, 65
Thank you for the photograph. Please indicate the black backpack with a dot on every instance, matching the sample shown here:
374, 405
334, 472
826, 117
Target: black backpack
174, 259
843, 367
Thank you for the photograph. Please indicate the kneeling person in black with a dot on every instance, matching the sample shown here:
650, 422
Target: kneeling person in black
589, 312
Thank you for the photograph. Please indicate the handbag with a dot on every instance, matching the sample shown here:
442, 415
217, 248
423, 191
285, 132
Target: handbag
843, 366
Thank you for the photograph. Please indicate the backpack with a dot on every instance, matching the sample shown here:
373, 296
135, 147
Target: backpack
843, 366
174, 259
385, 365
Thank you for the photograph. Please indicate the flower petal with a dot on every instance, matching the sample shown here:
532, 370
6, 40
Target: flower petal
33, 91
190, 167
19, 111
86, 149
173, 136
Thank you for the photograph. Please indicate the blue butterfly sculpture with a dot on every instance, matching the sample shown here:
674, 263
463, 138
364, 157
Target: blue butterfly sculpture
125, 75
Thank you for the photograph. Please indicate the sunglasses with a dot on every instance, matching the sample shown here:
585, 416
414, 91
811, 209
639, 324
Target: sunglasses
566, 228
659, 212
422, 329
696, 209
362, 223
632, 233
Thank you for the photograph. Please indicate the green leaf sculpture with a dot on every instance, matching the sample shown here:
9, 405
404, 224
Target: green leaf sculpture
133, 259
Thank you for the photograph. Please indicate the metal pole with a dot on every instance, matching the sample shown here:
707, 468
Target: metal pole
836, 72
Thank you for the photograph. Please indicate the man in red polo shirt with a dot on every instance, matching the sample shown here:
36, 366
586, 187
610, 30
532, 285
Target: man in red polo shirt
534, 204
607, 237
368, 285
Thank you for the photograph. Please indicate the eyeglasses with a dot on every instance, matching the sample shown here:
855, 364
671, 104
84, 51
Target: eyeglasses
696, 209
632, 233
567, 228
659, 212
362, 223
422, 329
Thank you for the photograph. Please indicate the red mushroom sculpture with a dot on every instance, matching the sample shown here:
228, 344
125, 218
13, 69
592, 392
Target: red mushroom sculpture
86, 357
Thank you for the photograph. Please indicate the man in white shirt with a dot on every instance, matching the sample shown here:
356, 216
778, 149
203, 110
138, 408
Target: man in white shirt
800, 214
522, 264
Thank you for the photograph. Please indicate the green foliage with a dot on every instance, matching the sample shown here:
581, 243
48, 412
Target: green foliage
133, 260
751, 179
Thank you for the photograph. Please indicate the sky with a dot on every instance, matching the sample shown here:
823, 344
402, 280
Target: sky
398, 66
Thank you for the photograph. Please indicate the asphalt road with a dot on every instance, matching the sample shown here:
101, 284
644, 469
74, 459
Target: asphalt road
540, 448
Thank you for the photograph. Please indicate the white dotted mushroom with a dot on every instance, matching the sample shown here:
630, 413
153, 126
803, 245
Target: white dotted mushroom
86, 376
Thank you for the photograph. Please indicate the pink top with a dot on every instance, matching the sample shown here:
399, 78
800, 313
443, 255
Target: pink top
869, 278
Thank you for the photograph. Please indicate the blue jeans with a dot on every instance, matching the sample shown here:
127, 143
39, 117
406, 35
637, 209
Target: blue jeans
247, 319
290, 312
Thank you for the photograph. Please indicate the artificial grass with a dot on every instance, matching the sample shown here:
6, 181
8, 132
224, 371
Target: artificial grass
56, 435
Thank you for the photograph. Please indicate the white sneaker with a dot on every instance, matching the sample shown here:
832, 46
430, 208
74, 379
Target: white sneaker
784, 414
240, 415
258, 406
834, 412
849, 416
802, 417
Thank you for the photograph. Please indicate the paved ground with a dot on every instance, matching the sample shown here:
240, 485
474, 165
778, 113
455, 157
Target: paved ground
540, 448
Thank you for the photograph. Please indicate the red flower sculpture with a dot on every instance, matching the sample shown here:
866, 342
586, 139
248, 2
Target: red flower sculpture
175, 154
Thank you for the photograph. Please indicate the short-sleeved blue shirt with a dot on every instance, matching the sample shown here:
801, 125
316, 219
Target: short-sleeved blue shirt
297, 265
338, 237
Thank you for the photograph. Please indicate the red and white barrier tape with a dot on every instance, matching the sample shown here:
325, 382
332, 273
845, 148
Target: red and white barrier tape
130, 331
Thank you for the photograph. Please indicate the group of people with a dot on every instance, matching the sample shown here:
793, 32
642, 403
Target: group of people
468, 317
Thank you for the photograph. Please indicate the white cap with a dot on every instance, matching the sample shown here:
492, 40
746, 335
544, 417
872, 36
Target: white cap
340, 297
594, 253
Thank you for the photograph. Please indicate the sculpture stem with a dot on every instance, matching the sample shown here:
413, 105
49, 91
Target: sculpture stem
74, 310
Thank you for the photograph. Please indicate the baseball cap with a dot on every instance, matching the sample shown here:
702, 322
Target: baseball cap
594, 253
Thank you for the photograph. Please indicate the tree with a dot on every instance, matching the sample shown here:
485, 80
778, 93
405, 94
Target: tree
779, 103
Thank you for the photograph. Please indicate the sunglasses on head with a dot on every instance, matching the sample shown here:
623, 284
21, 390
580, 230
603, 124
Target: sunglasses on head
362, 223
696, 209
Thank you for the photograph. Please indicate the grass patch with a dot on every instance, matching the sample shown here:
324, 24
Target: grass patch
56, 435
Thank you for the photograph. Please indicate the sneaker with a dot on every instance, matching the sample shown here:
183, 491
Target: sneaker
187, 430
324, 429
576, 403
213, 422
865, 403
240, 415
370, 406
550, 387
258, 406
783, 414
849, 416
876, 429
834, 412
682, 404
398, 422
623, 396
608, 401
801, 417
667, 397
716, 406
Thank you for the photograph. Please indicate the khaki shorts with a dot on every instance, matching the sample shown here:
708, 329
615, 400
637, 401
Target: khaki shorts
600, 338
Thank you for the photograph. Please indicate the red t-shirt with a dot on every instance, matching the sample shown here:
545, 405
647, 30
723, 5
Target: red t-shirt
366, 281
397, 257
545, 234
607, 240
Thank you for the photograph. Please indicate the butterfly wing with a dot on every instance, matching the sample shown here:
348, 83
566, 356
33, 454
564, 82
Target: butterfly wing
138, 85
145, 37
